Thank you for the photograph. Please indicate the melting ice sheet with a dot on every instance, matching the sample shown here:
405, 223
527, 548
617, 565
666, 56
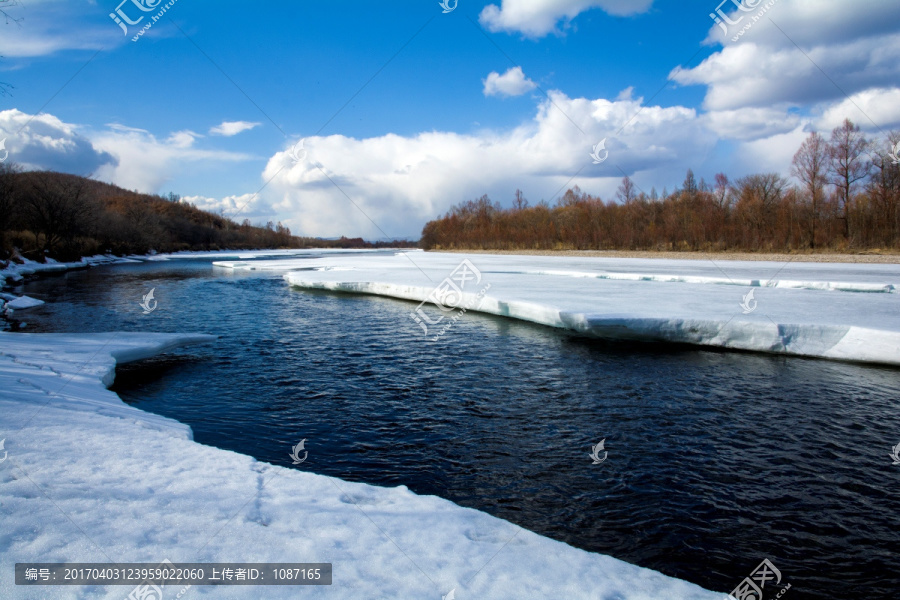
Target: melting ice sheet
87, 478
838, 311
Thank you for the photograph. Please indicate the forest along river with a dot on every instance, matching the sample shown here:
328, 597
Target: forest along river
716, 460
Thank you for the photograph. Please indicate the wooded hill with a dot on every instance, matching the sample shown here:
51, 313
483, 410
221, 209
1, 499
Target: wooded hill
50, 214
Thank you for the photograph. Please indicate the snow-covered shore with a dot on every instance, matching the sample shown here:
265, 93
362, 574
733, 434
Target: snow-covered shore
87, 478
837, 311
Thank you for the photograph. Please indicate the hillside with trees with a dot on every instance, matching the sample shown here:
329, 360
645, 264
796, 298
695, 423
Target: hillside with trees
847, 198
49, 214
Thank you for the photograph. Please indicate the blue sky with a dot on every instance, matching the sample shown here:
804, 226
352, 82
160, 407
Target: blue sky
404, 110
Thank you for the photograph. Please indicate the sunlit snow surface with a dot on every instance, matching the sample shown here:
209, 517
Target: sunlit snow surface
838, 311
87, 478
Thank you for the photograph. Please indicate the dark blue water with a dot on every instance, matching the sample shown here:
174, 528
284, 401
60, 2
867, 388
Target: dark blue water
716, 460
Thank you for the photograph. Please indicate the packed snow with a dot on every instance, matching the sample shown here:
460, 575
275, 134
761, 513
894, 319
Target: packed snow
86, 478
836, 311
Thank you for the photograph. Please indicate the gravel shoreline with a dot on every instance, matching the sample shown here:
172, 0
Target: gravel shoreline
873, 258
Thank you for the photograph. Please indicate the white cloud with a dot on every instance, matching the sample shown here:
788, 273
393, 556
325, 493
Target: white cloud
807, 22
881, 106
401, 182
765, 67
537, 18
182, 139
145, 163
511, 83
244, 206
45, 142
772, 154
46, 27
751, 123
230, 128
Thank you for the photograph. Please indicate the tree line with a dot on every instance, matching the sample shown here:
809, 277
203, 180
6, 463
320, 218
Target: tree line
847, 198
62, 216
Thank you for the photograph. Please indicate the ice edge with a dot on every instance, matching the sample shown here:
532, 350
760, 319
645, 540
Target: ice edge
834, 342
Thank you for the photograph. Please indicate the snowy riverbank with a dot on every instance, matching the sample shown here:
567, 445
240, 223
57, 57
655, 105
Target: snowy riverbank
837, 311
87, 478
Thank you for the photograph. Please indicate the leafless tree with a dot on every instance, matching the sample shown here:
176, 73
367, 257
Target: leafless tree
56, 209
810, 166
884, 186
5, 5
848, 165
520, 203
626, 192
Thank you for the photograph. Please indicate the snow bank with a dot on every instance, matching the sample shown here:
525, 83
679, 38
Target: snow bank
804, 309
16, 272
89, 479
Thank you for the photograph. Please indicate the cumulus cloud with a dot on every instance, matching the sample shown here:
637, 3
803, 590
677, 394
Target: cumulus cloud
344, 184
765, 67
230, 128
772, 154
879, 107
240, 207
537, 18
45, 142
145, 163
511, 83
806, 22
751, 123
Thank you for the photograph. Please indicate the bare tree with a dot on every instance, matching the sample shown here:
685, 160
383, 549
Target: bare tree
690, 184
5, 5
884, 188
758, 197
810, 166
7, 202
626, 192
520, 203
56, 209
722, 191
847, 165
